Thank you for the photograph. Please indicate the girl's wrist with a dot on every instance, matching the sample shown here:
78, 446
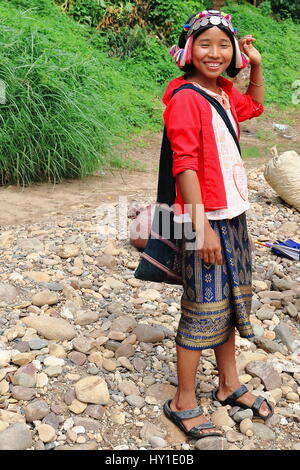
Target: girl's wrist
255, 66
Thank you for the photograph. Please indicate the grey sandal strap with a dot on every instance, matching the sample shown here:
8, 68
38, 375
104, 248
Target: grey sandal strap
199, 427
189, 413
257, 404
237, 393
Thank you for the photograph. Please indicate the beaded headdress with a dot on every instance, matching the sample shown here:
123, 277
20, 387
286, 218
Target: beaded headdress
183, 56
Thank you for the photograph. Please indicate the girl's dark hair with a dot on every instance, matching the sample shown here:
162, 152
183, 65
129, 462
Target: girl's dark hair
231, 70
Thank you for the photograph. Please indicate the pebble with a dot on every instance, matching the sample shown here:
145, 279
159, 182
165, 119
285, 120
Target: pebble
220, 417
38, 343
36, 410
284, 334
293, 397
22, 393
77, 358
46, 432
110, 339
77, 406
16, 437
263, 432
246, 427
211, 443
45, 297
268, 375
53, 371
92, 390
241, 415
26, 376
50, 327
233, 436
148, 334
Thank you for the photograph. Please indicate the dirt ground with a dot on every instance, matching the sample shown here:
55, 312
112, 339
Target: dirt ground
20, 205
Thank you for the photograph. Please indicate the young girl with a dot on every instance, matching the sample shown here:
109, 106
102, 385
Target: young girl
210, 177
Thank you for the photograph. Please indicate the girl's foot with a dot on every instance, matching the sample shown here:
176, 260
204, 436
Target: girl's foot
248, 398
189, 423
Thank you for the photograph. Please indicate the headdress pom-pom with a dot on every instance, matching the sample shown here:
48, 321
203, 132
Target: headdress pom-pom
228, 17
245, 60
186, 27
234, 30
173, 50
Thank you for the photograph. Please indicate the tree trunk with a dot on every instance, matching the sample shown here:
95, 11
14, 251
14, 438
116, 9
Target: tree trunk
218, 4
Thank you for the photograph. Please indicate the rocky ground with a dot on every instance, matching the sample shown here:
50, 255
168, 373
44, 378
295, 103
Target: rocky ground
87, 351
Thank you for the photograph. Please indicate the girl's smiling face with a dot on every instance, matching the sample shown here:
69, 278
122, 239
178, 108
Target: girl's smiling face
211, 53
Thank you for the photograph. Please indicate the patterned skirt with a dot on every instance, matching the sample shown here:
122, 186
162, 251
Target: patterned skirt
217, 297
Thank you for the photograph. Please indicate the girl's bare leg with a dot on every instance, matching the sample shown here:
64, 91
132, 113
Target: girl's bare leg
185, 397
228, 376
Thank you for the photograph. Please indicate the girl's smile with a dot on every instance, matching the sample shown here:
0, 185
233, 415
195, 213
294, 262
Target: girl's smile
211, 55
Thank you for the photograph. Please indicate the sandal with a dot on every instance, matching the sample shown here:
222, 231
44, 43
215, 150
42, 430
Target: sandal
195, 432
232, 400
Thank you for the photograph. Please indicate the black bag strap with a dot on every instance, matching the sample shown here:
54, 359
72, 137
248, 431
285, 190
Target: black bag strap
166, 189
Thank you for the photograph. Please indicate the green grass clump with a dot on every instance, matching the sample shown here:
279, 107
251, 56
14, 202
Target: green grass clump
67, 104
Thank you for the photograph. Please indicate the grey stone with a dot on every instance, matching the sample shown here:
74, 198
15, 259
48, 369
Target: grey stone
148, 334
265, 313
268, 375
89, 424
234, 410
38, 409
92, 445
268, 345
50, 327
156, 441
22, 393
8, 293
53, 371
95, 411
125, 350
211, 443
283, 333
38, 343
135, 400
139, 364
258, 330
22, 346
291, 310
112, 345
123, 323
45, 297
240, 415
26, 376
55, 286
52, 420
86, 318
263, 432
16, 437
83, 344
282, 284
69, 397
77, 358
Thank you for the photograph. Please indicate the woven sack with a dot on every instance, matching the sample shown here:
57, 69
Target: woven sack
282, 173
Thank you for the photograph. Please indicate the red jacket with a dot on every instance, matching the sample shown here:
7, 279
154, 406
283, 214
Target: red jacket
188, 120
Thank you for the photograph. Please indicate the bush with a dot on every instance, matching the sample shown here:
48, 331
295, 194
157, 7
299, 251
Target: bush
287, 8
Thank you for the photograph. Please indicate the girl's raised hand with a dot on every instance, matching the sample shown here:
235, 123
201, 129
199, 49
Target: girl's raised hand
246, 46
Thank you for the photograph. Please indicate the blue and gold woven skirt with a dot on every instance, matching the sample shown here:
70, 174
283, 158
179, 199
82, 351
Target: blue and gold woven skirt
217, 297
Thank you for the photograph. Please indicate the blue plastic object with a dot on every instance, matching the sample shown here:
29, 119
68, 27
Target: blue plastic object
288, 242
